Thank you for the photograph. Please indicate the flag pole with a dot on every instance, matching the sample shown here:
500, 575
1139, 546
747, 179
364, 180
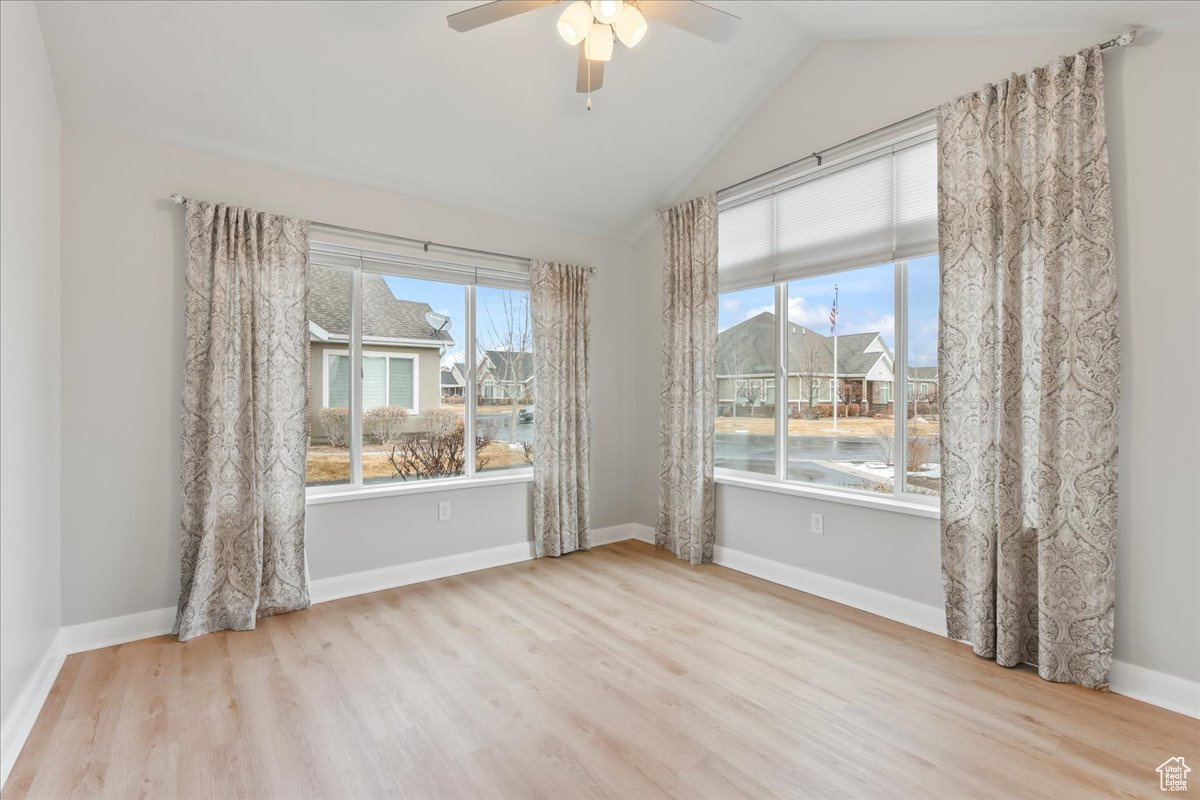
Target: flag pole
833, 323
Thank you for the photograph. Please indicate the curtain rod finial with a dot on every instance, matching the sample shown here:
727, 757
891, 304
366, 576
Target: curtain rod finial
178, 199
1127, 38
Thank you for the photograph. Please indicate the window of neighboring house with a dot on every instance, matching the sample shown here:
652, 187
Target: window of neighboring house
390, 421
769, 390
858, 229
387, 380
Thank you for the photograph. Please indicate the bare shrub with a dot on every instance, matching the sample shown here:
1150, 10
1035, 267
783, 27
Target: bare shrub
919, 448
385, 424
336, 424
886, 443
439, 449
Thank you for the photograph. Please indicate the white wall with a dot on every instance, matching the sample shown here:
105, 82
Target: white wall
30, 611
122, 345
846, 89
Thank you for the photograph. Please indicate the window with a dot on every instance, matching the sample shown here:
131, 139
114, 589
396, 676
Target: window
923, 471
388, 380
835, 265
504, 341
745, 424
406, 414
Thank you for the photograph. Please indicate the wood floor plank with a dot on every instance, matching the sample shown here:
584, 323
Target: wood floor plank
617, 673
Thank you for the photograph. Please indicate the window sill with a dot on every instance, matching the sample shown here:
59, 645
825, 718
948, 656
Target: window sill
337, 494
915, 508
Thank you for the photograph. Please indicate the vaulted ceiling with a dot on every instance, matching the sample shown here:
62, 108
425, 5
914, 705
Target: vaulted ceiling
386, 95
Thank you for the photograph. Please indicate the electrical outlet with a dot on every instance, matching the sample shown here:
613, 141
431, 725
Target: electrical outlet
818, 524
443, 511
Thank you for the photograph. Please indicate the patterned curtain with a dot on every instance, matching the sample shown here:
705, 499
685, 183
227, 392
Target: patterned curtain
686, 491
1030, 360
562, 424
244, 419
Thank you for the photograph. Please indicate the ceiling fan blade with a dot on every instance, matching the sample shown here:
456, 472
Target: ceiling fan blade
495, 11
581, 78
687, 15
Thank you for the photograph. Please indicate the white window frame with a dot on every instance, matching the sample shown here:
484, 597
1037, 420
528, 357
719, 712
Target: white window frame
415, 408
901, 499
419, 269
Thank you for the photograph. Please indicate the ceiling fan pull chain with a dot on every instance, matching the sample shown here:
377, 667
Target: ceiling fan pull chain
589, 71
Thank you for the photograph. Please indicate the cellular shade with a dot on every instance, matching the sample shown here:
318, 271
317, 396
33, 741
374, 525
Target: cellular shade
876, 208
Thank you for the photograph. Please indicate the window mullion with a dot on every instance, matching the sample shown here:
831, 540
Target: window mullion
356, 376
781, 380
469, 402
900, 380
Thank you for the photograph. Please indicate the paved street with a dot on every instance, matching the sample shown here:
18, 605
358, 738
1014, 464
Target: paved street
756, 453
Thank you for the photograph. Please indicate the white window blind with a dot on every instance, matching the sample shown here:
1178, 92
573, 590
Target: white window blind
871, 209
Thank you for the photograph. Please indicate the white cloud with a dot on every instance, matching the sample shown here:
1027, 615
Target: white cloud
450, 358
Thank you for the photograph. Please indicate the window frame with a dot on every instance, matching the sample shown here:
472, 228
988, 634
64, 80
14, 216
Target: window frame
415, 408
421, 269
900, 498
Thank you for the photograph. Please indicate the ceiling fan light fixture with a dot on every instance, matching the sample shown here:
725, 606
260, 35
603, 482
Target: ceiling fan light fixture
607, 11
575, 22
630, 27
599, 44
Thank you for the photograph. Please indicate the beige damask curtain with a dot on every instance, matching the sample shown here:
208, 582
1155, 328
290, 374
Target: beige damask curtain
686, 491
562, 424
1030, 370
244, 419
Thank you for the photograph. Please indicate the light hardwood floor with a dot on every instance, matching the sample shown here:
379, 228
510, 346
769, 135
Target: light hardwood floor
618, 673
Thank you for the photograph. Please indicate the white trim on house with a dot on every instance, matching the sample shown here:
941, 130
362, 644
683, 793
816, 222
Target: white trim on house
391, 340
387, 386
317, 332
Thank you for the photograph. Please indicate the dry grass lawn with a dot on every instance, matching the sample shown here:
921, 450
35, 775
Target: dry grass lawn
332, 464
850, 426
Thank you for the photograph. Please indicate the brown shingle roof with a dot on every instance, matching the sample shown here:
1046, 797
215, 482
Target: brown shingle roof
384, 315
748, 348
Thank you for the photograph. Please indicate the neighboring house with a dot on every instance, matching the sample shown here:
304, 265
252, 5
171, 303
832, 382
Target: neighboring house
506, 375
401, 351
746, 368
454, 380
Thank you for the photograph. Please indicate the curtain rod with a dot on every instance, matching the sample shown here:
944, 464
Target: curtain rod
1124, 40
425, 244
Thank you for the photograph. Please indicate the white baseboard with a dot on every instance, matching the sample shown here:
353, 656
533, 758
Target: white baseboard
901, 609
322, 590
15, 728
622, 533
1156, 688
117, 630
1149, 686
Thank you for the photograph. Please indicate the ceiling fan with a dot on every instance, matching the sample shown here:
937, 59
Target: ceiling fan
592, 26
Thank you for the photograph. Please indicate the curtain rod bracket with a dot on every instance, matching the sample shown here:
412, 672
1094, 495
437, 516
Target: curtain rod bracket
426, 246
817, 156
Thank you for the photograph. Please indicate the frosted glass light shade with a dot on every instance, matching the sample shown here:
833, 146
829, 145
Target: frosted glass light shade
630, 26
599, 45
607, 11
575, 22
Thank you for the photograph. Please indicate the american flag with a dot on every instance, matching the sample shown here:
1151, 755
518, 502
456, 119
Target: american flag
833, 313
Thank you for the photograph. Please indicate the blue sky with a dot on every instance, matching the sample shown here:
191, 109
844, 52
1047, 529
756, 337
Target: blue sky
450, 299
866, 302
